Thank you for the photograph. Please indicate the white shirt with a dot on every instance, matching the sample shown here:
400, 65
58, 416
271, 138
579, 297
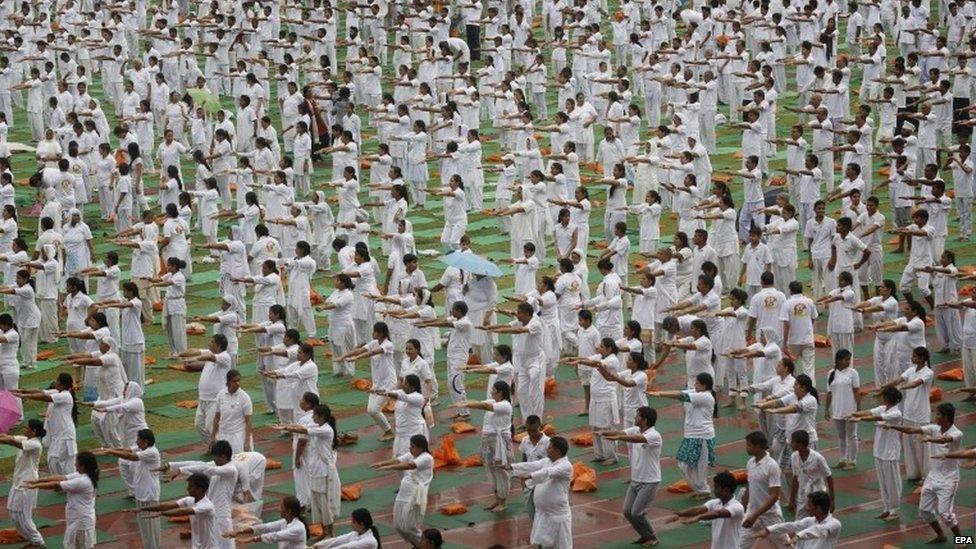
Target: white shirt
842, 386
413, 478
764, 475
812, 534
645, 457
699, 409
79, 509
233, 410
203, 531
800, 311
213, 378
726, 532
887, 442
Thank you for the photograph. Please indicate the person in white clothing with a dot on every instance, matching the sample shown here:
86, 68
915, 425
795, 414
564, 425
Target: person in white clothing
213, 365
810, 471
697, 451
549, 479
496, 440
887, 450
233, 412
144, 459
363, 536
197, 506
288, 532
410, 504
725, 513
22, 501
761, 498
818, 530
938, 497
843, 399
323, 476
59, 422
79, 508
382, 368
645, 470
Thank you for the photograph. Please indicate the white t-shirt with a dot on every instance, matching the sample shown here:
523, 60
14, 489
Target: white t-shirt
944, 472
915, 407
726, 532
28, 458
842, 388
800, 311
213, 378
145, 481
887, 442
202, 528
233, 409
382, 366
699, 410
764, 475
645, 457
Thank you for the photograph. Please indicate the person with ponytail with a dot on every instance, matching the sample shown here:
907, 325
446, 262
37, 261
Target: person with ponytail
364, 534
603, 412
300, 269
843, 399
409, 412
79, 487
324, 483
411, 499
59, 422
887, 450
9, 367
415, 363
132, 349
379, 351
763, 370
633, 379
496, 440
174, 304
915, 383
109, 383
21, 501
108, 276
801, 408
289, 532
909, 333
697, 451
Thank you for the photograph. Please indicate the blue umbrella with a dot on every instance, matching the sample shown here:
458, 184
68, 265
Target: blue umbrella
471, 263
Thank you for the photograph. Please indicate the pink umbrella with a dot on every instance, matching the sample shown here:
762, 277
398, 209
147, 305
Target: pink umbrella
9, 411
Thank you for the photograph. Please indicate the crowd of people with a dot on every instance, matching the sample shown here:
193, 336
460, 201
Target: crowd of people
294, 144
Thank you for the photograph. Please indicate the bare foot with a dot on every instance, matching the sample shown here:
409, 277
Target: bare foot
497, 509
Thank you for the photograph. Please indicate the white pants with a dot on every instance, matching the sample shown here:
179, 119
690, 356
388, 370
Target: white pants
821, 278
889, 484
28, 348
805, 359
455, 384
530, 387
847, 437
840, 341
21, 505
61, 457
342, 340
224, 523
203, 421
321, 511
916, 453
175, 332
948, 328
78, 537
148, 527
885, 367
302, 317
134, 363
374, 408
938, 502
49, 319
969, 366
407, 520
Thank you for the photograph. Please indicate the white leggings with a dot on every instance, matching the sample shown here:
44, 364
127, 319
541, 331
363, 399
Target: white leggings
916, 453
374, 408
21, 505
889, 483
847, 436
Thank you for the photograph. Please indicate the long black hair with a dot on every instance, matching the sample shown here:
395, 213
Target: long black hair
89, 466
64, 379
323, 410
363, 516
708, 381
